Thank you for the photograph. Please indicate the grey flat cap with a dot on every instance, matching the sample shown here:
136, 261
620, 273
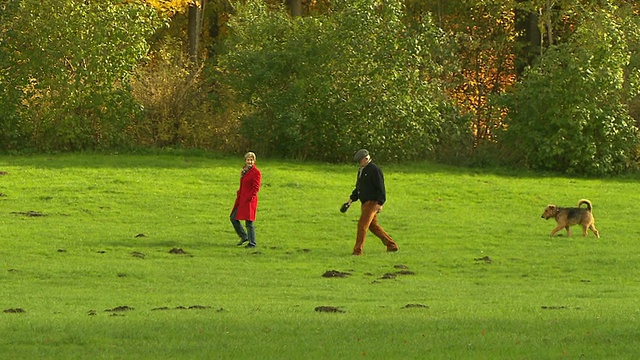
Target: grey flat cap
360, 154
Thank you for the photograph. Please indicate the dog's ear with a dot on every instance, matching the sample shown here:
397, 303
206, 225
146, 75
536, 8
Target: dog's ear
551, 207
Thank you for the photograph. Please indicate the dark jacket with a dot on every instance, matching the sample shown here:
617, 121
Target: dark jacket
370, 185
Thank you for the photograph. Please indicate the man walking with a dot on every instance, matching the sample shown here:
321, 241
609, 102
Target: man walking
371, 192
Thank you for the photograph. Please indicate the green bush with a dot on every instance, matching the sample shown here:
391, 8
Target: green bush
66, 66
568, 114
321, 87
178, 109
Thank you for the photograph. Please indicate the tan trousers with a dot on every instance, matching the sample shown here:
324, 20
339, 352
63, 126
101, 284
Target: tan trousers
369, 221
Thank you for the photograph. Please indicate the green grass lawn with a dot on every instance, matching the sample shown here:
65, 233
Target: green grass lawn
476, 277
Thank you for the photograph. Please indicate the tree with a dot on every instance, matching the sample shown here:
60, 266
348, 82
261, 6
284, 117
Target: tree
10, 136
481, 64
528, 35
568, 114
319, 87
66, 82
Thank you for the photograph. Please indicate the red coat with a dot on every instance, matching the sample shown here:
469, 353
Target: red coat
247, 195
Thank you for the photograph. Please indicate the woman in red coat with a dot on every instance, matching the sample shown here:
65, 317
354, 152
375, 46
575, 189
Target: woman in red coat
247, 201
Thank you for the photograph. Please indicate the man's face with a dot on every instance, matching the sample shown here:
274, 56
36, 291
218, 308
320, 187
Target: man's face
249, 161
363, 161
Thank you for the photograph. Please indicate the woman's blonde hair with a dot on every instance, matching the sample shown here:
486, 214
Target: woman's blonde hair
250, 154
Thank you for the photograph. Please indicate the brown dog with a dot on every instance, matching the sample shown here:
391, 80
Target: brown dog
566, 217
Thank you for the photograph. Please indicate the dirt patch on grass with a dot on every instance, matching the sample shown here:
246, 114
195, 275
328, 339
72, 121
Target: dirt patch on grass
405, 272
485, 259
329, 309
14, 311
335, 273
558, 307
415, 306
393, 275
177, 251
192, 307
29, 213
120, 309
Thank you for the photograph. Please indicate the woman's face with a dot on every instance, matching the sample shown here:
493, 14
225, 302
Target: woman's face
249, 160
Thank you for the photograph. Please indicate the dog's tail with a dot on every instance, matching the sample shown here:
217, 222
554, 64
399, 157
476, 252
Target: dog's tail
585, 201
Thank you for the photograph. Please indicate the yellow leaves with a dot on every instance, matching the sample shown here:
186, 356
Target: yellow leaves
170, 7
32, 93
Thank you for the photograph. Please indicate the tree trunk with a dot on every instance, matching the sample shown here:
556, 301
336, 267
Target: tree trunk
193, 31
549, 22
295, 7
529, 38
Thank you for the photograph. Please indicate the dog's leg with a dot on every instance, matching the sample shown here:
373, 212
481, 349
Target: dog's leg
585, 229
568, 230
558, 228
595, 231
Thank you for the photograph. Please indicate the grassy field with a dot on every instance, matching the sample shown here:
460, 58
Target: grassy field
87, 268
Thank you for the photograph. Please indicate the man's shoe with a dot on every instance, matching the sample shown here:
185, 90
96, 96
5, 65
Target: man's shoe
242, 241
250, 246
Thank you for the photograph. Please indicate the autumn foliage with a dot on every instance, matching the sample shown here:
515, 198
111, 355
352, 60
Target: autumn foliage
533, 83
171, 7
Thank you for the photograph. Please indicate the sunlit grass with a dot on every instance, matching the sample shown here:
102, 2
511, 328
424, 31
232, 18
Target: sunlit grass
484, 279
